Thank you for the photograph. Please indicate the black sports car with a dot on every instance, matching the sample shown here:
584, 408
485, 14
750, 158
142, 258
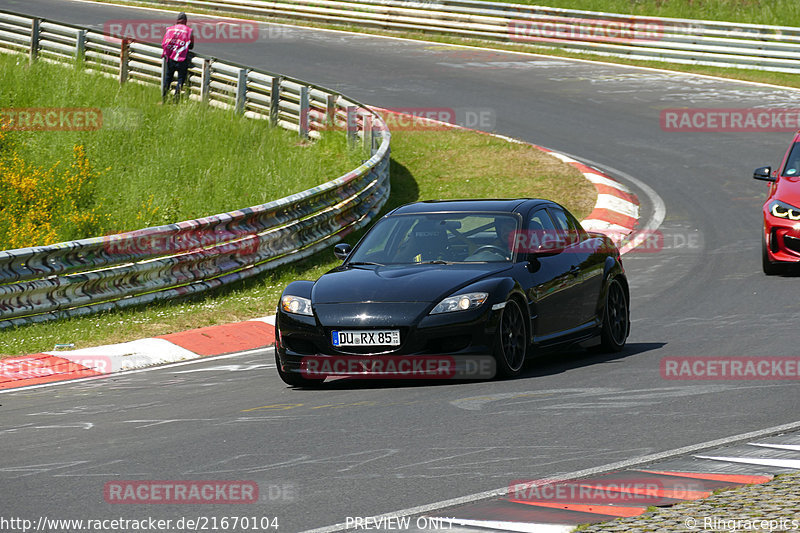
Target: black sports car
465, 278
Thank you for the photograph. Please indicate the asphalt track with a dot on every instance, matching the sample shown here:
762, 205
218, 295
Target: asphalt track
368, 448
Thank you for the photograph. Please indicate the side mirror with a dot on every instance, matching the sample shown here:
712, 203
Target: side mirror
763, 174
342, 250
537, 243
544, 250
548, 247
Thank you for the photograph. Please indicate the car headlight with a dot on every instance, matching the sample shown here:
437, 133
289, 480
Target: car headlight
783, 210
296, 305
461, 302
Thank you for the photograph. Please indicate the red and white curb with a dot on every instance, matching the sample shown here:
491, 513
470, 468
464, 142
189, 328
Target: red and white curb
616, 211
49, 367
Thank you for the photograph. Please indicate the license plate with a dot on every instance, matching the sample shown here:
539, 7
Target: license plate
389, 337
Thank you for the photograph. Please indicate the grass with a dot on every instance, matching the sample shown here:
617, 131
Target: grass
425, 165
161, 164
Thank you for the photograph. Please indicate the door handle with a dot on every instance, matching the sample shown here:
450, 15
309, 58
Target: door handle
575, 271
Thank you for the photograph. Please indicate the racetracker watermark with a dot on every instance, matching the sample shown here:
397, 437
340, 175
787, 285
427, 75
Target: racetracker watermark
730, 368
555, 29
51, 118
146, 242
729, 120
408, 118
557, 241
37, 367
204, 30
178, 492
634, 491
399, 367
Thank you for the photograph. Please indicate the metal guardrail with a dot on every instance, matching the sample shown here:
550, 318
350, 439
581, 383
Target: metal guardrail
138, 267
723, 44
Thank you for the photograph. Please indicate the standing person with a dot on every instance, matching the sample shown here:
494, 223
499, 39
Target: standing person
176, 45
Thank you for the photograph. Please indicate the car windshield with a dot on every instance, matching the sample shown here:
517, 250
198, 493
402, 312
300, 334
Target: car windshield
439, 237
792, 167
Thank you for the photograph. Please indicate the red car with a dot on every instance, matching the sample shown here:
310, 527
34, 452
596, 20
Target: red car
781, 243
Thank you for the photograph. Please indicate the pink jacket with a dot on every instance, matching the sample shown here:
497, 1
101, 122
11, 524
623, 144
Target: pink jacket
177, 42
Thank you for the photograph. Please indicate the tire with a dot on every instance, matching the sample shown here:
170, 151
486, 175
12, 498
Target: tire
616, 318
511, 342
296, 380
770, 268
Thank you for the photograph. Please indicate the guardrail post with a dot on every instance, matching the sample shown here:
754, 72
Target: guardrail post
205, 80
80, 46
35, 30
164, 87
274, 100
366, 139
241, 91
124, 59
351, 125
330, 110
305, 108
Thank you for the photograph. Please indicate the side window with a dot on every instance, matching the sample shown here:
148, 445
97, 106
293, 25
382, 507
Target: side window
580, 233
539, 232
540, 220
566, 225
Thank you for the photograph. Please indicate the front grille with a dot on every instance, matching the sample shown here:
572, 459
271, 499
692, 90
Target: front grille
300, 345
792, 243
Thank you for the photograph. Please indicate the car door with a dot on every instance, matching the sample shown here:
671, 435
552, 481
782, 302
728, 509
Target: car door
587, 261
548, 278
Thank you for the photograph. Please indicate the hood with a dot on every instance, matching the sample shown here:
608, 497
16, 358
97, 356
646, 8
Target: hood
788, 190
398, 283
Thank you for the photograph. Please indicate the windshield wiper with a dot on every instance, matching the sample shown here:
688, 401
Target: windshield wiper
436, 262
364, 263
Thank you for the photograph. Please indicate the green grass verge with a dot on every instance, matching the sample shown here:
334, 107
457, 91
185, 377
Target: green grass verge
425, 165
159, 164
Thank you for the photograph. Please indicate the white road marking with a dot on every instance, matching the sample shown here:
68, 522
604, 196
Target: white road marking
792, 447
78, 425
150, 423
524, 527
229, 368
628, 463
780, 463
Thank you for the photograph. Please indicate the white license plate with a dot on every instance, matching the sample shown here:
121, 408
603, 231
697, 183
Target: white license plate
389, 337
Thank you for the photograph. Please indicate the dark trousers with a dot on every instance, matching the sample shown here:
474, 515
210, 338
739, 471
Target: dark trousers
182, 69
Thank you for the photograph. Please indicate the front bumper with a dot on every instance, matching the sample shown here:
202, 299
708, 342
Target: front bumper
782, 238
459, 335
